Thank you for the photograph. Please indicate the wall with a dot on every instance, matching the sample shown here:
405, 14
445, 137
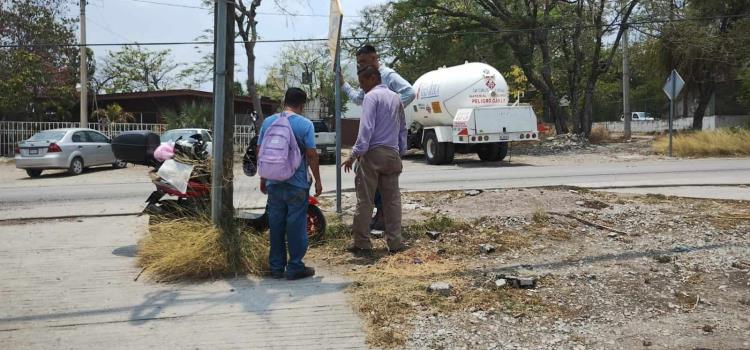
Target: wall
725, 121
644, 126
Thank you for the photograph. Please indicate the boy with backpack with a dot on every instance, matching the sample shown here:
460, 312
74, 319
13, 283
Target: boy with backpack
287, 148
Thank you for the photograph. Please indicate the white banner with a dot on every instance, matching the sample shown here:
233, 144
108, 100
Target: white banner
334, 27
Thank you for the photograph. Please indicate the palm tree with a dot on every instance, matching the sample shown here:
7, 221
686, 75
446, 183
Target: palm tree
113, 113
192, 115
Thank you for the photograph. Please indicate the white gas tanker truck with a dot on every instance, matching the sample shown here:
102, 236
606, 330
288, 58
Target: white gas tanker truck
464, 109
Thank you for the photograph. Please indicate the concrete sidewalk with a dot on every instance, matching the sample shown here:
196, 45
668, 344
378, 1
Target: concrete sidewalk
69, 285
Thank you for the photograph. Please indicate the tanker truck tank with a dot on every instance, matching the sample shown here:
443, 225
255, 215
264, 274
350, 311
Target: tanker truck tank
465, 109
440, 93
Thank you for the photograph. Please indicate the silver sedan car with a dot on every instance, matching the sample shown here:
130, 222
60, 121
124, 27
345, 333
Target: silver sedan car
73, 149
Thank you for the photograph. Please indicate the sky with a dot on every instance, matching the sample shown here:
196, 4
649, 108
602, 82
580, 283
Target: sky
127, 21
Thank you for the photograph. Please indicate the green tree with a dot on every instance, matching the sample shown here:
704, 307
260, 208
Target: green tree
113, 113
201, 71
134, 68
190, 115
245, 16
563, 47
707, 51
429, 45
37, 81
239, 90
309, 67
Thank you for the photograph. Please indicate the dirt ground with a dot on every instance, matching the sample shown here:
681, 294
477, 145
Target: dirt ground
613, 271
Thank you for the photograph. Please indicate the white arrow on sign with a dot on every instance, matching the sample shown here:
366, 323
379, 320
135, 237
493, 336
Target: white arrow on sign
674, 85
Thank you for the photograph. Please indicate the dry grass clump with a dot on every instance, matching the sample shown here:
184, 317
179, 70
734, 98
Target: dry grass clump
599, 134
191, 248
723, 142
440, 223
540, 215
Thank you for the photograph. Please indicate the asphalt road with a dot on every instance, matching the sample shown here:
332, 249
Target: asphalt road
116, 191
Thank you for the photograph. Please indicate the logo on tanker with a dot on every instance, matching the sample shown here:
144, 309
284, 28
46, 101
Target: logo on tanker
431, 90
490, 84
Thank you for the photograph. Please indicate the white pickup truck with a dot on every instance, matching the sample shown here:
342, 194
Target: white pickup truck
325, 141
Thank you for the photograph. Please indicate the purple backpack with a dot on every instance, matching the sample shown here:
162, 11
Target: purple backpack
279, 155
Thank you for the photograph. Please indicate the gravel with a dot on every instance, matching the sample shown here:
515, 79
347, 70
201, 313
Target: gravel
678, 279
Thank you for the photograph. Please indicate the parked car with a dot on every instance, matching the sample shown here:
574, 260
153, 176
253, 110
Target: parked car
74, 149
175, 134
638, 116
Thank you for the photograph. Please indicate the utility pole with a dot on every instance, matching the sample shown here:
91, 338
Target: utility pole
222, 207
625, 84
84, 70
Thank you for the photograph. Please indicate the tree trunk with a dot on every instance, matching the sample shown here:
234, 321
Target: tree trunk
252, 90
705, 91
588, 99
551, 101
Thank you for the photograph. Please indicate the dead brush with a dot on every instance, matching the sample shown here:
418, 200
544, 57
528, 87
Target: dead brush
599, 134
540, 215
392, 289
723, 142
391, 292
192, 248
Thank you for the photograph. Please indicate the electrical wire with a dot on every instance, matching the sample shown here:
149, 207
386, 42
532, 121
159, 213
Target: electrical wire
160, 3
393, 36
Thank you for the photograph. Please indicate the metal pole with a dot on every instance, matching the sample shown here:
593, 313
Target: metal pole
626, 85
220, 48
84, 69
338, 120
671, 109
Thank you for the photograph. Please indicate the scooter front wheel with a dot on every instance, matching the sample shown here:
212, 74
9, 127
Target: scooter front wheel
316, 223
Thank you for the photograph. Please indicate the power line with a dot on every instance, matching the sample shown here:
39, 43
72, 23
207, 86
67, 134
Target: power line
394, 36
106, 28
160, 3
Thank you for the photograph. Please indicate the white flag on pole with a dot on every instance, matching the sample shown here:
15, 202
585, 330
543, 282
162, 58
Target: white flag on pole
334, 27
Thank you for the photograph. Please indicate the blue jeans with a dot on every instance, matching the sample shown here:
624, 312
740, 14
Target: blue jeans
287, 218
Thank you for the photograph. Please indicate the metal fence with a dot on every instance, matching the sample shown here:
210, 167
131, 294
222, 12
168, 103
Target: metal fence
11, 133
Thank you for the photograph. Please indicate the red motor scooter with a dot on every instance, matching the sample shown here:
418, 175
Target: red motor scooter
197, 198
138, 147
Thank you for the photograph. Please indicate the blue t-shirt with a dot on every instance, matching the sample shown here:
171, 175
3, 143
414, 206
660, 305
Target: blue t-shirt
304, 132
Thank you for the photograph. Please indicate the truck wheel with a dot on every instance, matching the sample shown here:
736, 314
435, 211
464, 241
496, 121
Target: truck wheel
437, 152
489, 152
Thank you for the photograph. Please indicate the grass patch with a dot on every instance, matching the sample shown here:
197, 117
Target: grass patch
723, 142
193, 248
599, 134
440, 223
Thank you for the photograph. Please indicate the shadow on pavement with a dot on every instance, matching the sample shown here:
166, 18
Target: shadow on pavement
472, 163
257, 296
128, 251
59, 173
